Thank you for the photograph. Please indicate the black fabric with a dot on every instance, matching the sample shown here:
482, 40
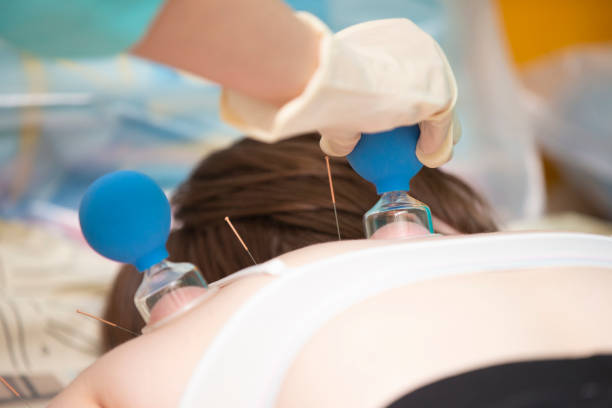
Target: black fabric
567, 383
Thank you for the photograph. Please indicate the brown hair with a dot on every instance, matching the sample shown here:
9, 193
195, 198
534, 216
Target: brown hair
277, 196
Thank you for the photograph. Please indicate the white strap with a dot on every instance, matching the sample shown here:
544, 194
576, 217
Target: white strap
247, 362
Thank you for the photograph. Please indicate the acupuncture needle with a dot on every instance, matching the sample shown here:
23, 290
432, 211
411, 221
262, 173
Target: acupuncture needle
14, 391
333, 197
107, 322
240, 239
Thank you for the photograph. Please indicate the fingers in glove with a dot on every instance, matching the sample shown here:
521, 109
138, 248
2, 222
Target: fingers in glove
335, 143
438, 136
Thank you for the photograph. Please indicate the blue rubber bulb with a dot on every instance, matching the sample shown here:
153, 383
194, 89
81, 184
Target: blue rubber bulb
125, 216
387, 159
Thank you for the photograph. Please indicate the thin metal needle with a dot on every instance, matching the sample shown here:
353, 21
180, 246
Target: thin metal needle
333, 197
240, 239
107, 322
14, 391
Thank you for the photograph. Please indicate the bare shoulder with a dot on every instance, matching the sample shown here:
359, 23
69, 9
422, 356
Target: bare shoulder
153, 369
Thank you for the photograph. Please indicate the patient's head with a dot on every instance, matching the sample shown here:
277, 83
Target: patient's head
277, 196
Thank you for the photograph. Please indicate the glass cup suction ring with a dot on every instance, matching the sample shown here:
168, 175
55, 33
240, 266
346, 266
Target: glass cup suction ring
388, 160
125, 216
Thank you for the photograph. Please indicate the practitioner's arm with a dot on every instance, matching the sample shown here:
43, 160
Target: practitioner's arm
259, 47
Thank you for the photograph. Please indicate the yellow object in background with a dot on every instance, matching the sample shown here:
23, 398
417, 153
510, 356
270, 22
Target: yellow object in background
537, 27
554, 43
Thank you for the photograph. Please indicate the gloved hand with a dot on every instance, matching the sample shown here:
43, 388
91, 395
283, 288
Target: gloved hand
371, 77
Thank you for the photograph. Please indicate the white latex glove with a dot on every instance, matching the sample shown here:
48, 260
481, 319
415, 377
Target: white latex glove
372, 77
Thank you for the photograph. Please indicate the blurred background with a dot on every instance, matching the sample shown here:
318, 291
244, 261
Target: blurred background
535, 83
535, 86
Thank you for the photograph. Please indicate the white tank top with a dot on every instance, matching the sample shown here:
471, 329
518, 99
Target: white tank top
246, 363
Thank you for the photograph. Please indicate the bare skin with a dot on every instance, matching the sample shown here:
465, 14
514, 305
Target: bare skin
490, 317
408, 337
124, 370
129, 376
259, 48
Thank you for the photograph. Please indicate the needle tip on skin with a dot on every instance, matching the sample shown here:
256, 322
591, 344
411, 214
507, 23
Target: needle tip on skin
107, 322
